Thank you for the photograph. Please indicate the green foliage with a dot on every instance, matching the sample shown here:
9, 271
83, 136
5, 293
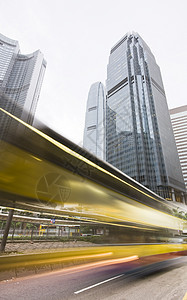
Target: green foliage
92, 239
2, 224
180, 214
85, 229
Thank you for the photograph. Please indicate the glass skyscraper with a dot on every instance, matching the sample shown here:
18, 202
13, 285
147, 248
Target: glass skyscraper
94, 131
139, 135
8, 50
21, 78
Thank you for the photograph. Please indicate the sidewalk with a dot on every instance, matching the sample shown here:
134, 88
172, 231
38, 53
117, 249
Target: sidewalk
40, 247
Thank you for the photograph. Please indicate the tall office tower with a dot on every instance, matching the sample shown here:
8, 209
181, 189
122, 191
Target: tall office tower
94, 131
21, 78
139, 136
8, 49
179, 122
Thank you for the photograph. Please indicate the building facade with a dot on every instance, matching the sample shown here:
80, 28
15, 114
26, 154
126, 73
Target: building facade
94, 131
179, 123
139, 135
21, 78
8, 50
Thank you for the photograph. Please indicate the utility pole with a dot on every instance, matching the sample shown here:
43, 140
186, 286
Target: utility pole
7, 227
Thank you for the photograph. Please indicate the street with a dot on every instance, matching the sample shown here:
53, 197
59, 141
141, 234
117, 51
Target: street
100, 282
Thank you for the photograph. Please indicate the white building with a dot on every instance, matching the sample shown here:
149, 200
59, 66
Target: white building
179, 122
94, 131
21, 78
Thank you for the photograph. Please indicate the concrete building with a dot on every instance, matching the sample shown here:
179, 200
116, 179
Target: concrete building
94, 131
179, 122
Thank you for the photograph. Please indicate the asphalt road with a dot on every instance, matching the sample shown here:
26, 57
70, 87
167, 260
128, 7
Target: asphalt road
114, 282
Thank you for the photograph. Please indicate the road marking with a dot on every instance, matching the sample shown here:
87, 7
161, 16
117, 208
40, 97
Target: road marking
185, 297
94, 285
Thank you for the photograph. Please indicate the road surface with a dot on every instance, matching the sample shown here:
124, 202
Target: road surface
94, 282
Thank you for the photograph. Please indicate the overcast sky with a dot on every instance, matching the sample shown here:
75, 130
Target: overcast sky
76, 37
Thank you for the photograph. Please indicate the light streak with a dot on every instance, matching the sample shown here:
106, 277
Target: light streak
75, 154
111, 220
36, 158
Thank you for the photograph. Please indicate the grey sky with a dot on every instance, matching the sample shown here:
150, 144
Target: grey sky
76, 37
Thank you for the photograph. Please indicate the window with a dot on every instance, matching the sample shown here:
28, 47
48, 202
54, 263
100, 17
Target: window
91, 127
92, 108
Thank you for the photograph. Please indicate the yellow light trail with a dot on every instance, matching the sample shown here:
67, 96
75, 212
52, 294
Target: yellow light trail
73, 153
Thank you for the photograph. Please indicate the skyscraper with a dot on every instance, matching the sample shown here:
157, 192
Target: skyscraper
139, 135
94, 131
8, 49
21, 78
179, 122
